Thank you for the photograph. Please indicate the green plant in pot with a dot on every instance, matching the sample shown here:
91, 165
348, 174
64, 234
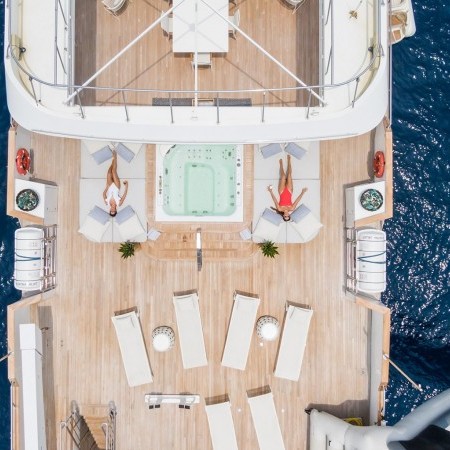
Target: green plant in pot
269, 249
127, 249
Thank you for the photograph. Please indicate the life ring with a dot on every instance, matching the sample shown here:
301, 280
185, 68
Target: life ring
378, 164
23, 161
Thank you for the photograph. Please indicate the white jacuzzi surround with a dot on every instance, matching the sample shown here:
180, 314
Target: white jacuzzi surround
162, 216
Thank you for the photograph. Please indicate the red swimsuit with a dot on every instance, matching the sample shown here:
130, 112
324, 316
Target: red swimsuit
286, 198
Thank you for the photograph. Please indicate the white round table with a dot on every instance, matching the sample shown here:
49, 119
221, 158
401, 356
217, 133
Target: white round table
163, 339
267, 328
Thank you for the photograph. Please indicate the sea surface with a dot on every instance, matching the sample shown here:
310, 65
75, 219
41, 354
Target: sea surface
419, 234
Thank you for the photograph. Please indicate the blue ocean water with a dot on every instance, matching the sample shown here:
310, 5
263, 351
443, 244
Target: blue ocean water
7, 228
419, 234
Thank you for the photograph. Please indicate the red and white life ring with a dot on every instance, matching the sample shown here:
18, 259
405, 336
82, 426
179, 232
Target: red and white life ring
378, 164
23, 161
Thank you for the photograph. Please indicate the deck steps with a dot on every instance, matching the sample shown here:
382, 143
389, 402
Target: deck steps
95, 426
95, 417
215, 245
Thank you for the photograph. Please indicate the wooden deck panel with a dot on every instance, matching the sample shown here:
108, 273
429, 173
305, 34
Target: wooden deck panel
293, 39
82, 358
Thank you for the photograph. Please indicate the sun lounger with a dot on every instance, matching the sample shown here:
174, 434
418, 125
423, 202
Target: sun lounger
132, 348
293, 343
221, 426
240, 331
265, 421
190, 330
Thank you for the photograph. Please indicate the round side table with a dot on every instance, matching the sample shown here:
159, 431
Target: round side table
267, 328
163, 339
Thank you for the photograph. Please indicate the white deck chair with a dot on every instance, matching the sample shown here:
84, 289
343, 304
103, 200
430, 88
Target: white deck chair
221, 426
190, 330
203, 60
240, 331
236, 20
265, 421
293, 343
167, 24
132, 348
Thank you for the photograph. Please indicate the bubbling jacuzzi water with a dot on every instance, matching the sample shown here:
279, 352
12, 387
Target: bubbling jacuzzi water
199, 183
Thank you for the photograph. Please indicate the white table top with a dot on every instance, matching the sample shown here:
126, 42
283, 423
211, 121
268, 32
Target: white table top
197, 27
360, 212
161, 342
39, 188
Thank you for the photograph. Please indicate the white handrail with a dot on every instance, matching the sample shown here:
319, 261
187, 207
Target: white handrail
263, 51
121, 52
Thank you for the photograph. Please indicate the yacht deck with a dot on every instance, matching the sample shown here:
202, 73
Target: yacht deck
82, 361
293, 39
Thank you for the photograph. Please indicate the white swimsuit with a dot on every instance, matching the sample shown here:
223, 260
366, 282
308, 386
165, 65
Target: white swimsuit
113, 192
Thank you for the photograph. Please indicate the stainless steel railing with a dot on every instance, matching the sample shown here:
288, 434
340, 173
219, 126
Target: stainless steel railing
376, 53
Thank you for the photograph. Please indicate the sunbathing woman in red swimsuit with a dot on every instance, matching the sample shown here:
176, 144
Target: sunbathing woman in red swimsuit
285, 207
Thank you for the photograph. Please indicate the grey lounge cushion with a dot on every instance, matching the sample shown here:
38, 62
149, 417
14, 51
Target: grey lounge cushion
100, 215
102, 155
124, 152
269, 150
300, 213
295, 150
272, 216
124, 214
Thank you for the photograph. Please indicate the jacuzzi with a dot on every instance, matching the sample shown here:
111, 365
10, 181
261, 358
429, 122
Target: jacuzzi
199, 183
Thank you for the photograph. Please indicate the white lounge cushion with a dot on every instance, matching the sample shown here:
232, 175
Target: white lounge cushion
240, 331
221, 426
307, 227
131, 228
190, 331
93, 229
265, 421
293, 343
132, 348
265, 231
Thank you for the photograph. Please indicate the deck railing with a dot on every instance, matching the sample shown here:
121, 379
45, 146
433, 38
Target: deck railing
374, 54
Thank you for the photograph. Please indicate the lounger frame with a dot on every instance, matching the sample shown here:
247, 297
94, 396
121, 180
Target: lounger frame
265, 421
132, 348
240, 330
190, 331
293, 342
221, 425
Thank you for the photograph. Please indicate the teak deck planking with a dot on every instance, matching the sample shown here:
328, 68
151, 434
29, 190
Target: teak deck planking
293, 39
82, 361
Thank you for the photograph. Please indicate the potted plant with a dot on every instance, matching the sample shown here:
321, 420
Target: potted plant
127, 249
269, 249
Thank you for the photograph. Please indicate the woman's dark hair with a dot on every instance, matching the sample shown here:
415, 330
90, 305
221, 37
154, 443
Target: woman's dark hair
281, 213
112, 213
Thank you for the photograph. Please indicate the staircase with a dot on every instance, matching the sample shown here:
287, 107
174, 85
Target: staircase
216, 245
91, 427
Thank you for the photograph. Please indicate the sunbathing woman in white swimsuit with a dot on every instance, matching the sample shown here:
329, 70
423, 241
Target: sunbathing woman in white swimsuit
111, 194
